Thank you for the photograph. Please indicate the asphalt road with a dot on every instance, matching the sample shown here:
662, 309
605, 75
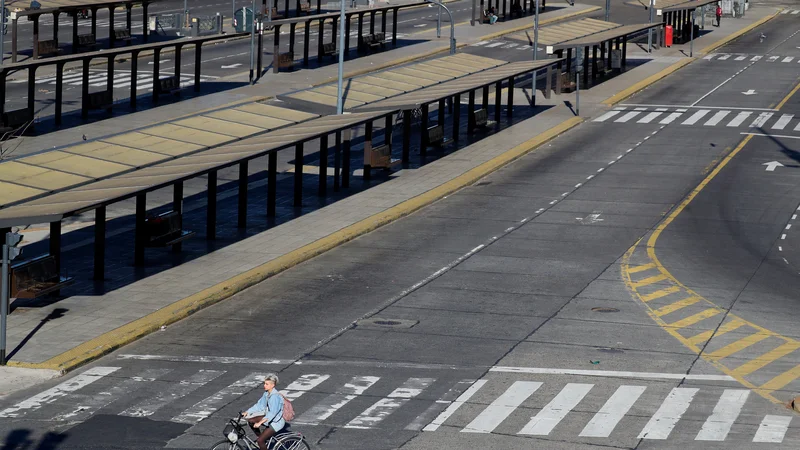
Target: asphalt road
499, 315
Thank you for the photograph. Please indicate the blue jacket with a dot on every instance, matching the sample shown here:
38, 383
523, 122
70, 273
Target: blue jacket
271, 407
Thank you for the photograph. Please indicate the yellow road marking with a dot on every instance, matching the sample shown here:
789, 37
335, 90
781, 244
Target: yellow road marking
777, 353
706, 335
680, 304
766, 390
649, 280
737, 346
693, 319
782, 379
642, 268
660, 293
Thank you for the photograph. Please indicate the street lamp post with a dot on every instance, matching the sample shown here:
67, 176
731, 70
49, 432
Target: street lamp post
452, 26
2, 30
691, 36
608, 9
252, 40
339, 100
650, 30
535, 51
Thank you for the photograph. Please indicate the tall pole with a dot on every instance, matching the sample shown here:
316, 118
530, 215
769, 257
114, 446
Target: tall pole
691, 36
342, 19
452, 25
3, 302
185, 14
535, 51
252, 40
650, 30
608, 9
439, 23
2, 31
579, 58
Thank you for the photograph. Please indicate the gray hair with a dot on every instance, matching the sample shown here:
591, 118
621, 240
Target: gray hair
272, 377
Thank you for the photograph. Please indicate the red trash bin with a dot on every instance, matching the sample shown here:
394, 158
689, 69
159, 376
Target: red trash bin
668, 35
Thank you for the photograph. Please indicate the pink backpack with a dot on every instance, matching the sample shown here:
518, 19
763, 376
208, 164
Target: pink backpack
288, 409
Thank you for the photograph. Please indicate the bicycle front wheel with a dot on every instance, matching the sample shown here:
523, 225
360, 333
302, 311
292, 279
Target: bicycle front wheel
292, 443
227, 445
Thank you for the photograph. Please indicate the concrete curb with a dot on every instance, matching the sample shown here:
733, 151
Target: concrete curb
181, 309
739, 33
622, 95
541, 23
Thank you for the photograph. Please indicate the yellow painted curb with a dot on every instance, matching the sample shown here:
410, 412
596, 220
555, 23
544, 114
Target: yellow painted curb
130, 332
541, 23
622, 95
735, 35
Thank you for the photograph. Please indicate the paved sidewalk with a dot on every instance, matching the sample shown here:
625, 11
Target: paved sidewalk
272, 85
94, 324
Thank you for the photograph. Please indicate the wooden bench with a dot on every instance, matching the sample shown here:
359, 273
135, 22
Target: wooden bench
16, 118
165, 230
36, 277
305, 8
276, 15
123, 35
436, 136
87, 41
482, 119
372, 41
286, 61
99, 100
169, 85
48, 47
328, 49
379, 157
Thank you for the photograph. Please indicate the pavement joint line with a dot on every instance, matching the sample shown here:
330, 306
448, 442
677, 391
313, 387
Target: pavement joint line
729, 321
132, 331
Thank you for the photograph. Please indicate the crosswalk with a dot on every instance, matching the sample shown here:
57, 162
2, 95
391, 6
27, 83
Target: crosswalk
752, 58
791, 11
502, 44
651, 412
728, 118
122, 79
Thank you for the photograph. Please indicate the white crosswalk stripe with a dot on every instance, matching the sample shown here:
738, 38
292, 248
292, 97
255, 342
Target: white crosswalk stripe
701, 116
555, 411
324, 409
772, 429
753, 58
453, 407
51, 395
122, 79
205, 408
303, 384
670, 412
726, 412
373, 415
495, 44
502, 407
185, 387
604, 422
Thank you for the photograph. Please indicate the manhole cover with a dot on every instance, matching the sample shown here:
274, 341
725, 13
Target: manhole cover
604, 309
379, 322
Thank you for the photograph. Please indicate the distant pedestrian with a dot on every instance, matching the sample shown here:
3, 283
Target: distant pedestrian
492, 15
719, 15
371, 3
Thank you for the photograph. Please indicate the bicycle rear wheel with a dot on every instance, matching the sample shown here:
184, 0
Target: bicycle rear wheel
227, 445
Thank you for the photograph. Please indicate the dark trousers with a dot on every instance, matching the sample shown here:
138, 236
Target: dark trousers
719, 20
263, 436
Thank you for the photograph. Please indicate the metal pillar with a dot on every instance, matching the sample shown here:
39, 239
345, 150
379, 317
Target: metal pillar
55, 27
156, 72
394, 27
112, 39
276, 49
298, 175
198, 62
346, 158
211, 202
59, 91
145, 24
306, 40
510, 96
177, 206
471, 111
14, 26
456, 116
346, 34
55, 243
498, 90
367, 144
272, 183
337, 161
423, 138
134, 78
406, 158
100, 243
242, 197
322, 190
35, 36
138, 246
75, 33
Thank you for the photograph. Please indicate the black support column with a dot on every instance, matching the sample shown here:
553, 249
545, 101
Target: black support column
406, 158
211, 213
456, 116
242, 197
138, 246
298, 174
322, 190
100, 243
272, 183
347, 134
55, 243
177, 206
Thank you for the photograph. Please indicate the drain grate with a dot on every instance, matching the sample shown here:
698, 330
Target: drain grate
604, 309
378, 322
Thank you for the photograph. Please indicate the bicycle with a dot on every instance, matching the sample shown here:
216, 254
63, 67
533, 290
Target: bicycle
236, 438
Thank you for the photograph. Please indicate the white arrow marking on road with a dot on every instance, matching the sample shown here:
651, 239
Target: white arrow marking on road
232, 66
590, 219
772, 165
162, 60
750, 92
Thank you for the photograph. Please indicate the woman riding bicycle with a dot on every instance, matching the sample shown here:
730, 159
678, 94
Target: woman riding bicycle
267, 411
